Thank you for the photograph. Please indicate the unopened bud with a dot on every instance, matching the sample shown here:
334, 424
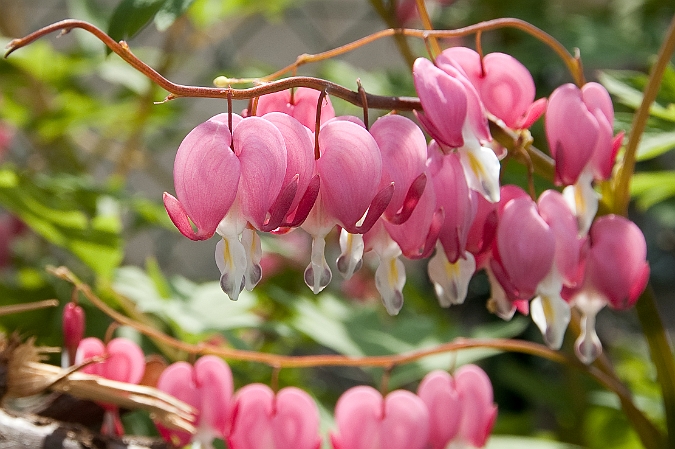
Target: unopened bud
73, 329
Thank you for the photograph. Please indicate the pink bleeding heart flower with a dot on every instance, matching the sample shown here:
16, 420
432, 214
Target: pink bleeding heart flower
123, 362
482, 231
589, 112
403, 148
455, 198
403, 151
261, 419
300, 104
439, 393
73, 331
504, 85
478, 410
367, 421
261, 200
207, 386
550, 311
350, 169
616, 273
523, 251
455, 117
206, 175
300, 162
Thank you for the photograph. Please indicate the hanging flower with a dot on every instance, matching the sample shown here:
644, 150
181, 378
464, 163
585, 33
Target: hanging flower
365, 420
261, 419
504, 85
207, 386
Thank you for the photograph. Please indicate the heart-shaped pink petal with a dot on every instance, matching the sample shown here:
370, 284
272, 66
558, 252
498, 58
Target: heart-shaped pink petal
438, 392
261, 420
366, 421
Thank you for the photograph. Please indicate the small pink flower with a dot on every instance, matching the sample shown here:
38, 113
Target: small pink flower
579, 131
504, 85
207, 386
124, 359
124, 362
616, 272
301, 105
261, 419
365, 420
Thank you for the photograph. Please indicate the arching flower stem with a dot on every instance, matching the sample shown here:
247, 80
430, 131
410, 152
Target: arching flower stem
649, 434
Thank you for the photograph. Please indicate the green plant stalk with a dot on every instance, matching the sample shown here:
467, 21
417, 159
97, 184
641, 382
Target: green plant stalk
661, 355
660, 348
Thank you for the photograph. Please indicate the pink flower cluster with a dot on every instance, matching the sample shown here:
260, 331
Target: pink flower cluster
392, 193
447, 409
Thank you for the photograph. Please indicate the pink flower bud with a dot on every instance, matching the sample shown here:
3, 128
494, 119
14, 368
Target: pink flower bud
73, 329
616, 265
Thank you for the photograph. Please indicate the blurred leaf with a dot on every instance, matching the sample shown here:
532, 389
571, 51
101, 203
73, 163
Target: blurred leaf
622, 85
190, 308
132, 15
508, 442
170, 11
650, 188
56, 214
655, 144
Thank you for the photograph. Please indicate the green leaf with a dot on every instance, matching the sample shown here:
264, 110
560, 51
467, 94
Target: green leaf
56, 213
655, 144
131, 16
616, 83
190, 309
170, 11
650, 188
510, 442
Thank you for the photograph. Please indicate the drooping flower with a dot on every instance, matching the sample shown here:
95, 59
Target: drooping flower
478, 410
455, 118
439, 393
365, 420
523, 250
207, 386
549, 310
504, 85
616, 272
350, 169
206, 177
579, 126
261, 419
300, 104
461, 412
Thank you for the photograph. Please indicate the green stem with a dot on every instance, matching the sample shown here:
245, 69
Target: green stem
622, 190
661, 354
